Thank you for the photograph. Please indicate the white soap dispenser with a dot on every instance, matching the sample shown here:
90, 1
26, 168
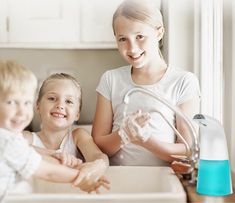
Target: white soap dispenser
214, 174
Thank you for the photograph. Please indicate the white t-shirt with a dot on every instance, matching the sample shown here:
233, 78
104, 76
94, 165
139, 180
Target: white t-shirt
18, 161
176, 86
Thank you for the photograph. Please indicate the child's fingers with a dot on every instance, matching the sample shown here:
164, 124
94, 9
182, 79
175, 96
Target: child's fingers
76, 162
79, 179
180, 167
95, 188
143, 119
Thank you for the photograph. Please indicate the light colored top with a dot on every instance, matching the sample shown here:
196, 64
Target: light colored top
177, 86
67, 145
18, 161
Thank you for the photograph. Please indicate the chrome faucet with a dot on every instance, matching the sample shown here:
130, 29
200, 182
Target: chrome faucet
193, 150
214, 175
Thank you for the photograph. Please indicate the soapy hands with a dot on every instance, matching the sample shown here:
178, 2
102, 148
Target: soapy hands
135, 128
91, 178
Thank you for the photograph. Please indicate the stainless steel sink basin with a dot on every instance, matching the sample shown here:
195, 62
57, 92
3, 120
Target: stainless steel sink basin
133, 184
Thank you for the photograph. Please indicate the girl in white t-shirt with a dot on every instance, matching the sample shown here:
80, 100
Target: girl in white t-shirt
59, 104
142, 137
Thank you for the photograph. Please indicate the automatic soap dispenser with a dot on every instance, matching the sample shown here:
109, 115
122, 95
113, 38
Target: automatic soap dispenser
214, 174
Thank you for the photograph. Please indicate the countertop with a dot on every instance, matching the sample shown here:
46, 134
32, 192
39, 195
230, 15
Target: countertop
192, 195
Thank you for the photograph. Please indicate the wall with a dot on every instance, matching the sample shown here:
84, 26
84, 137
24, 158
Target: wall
86, 65
179, 37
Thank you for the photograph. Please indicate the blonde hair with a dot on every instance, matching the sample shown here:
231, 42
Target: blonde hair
139, 10
61, 76
15, 77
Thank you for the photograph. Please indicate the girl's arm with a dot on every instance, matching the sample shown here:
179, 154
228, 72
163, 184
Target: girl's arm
93, 170
164, 150
102, 134
87, 146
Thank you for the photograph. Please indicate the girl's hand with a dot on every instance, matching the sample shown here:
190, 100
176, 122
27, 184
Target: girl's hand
91, 177
135, 128
180, 167
67, 159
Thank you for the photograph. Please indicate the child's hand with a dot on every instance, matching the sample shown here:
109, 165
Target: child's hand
180, 167
90, 187
67, 159
135, 128
91, 177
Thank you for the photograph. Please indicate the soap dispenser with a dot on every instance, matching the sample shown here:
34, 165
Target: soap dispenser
214, 174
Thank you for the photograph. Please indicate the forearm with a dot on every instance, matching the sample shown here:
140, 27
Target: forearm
164, 150
109, 144
51, 170
103, 157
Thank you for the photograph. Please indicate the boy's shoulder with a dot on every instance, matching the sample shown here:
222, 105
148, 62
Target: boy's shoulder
5, 134
28, 136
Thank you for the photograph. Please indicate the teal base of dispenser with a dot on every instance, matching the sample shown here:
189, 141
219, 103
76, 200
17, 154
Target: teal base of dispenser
214, 178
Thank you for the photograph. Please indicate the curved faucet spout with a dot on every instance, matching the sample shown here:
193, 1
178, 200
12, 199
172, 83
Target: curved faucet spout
192, 152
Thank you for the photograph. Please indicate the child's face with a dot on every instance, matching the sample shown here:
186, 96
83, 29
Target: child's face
137, 42
59, 105
16, 110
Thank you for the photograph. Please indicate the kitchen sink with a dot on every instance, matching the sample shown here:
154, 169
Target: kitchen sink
129, 184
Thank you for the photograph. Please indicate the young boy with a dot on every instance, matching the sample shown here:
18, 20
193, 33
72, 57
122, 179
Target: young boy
18, 160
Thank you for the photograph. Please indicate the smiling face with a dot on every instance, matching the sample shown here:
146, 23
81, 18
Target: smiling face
137, 42
16, 110
59, 105
138, 28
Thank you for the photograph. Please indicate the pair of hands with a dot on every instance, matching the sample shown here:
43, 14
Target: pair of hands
135, 128
90, 177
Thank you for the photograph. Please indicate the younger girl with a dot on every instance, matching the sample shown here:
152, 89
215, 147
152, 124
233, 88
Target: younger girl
59, 104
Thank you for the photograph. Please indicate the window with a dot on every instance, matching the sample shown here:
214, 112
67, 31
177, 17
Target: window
211, 67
